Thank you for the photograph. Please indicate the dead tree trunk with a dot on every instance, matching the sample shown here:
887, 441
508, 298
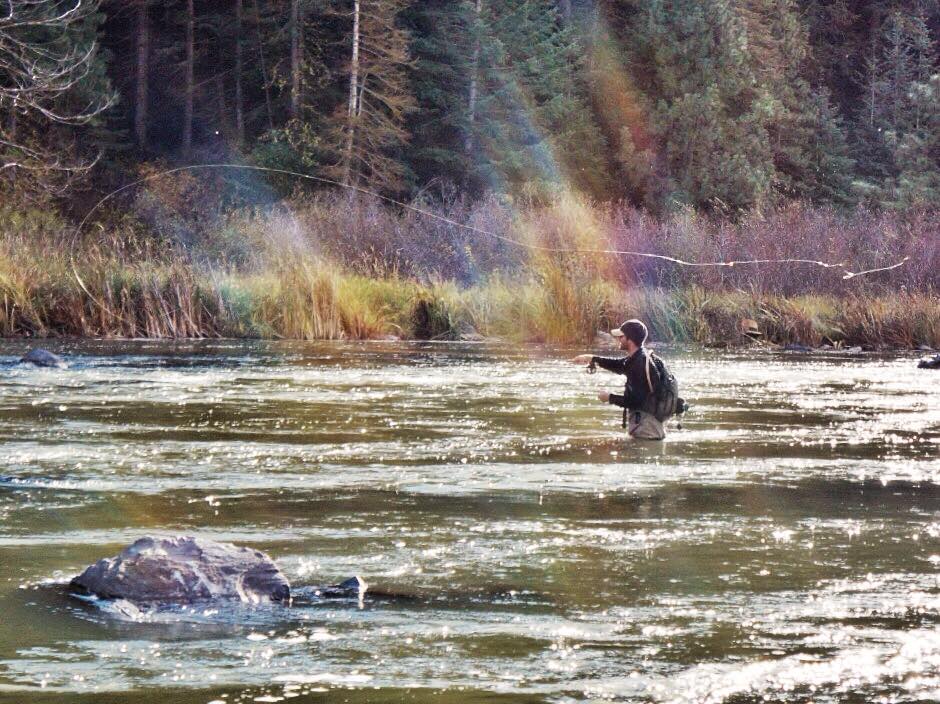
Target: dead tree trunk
239, 66
295, 58
474, 70
353, 110
143, 73
223, 117
189, 73
264, 68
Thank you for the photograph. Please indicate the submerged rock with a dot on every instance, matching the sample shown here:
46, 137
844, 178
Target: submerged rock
183, 570
43, 358
352, 587
930, 362
796, 347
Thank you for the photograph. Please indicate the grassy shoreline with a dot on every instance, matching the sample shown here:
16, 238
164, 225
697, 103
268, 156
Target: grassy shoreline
308, 299
332, 268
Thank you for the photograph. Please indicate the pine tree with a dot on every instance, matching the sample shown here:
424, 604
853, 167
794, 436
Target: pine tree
917, 154
807, 140
446, 39
534, 131
829, 167
623, 99
712, 112
369, 129
899, 112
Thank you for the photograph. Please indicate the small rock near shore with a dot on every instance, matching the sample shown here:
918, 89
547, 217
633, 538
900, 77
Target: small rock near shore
930, 362
796, 347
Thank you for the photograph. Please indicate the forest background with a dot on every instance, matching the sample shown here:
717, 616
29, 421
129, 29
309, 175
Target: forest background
705, 131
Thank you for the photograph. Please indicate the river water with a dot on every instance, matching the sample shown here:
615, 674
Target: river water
783, 546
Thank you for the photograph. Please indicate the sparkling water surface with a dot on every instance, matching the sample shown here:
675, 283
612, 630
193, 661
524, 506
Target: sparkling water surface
784, 546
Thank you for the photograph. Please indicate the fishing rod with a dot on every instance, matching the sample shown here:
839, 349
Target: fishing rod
847, 273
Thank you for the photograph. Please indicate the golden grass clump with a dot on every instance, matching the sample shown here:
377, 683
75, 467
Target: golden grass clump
906, 320
299, 300
810, 320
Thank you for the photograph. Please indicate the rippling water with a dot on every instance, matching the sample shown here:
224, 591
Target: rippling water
783, 546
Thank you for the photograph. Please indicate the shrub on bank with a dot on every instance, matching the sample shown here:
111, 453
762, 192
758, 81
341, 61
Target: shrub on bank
327, 267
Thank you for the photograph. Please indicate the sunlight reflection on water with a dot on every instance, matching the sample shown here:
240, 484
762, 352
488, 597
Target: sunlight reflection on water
783, 546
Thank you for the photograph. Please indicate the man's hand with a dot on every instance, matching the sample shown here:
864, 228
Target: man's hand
603, 396
583, 359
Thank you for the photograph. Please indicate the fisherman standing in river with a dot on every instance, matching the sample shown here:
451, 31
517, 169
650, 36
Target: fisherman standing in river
650, 395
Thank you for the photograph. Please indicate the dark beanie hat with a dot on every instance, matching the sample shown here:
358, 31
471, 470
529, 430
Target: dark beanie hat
632, 330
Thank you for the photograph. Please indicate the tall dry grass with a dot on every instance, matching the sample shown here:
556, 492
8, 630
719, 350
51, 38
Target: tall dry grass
325, 267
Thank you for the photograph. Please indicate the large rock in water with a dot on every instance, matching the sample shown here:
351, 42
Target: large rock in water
183, 570
43, 358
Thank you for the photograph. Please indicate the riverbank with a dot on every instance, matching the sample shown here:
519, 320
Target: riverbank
330, 268
309, 299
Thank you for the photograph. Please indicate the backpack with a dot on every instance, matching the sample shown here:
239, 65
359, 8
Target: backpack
663, 401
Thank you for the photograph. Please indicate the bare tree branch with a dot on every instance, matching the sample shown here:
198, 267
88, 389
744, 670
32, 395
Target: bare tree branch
47, 60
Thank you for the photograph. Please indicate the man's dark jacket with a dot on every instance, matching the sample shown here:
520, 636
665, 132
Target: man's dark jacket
637, 388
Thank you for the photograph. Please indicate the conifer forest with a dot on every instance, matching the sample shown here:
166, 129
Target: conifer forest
711, 130
722, 104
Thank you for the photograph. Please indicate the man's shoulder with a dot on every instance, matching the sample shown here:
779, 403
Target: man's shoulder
652, 355
650, 359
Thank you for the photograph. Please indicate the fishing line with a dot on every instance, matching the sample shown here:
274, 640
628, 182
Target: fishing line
847, 273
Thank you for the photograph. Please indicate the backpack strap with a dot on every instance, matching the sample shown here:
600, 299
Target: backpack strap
649, 380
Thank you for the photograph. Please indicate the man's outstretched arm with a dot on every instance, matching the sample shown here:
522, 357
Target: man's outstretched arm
617, 365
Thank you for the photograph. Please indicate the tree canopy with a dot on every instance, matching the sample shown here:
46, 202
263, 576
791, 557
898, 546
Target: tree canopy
661, 103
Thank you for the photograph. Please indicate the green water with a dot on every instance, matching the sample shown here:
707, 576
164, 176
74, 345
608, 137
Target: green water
783, 546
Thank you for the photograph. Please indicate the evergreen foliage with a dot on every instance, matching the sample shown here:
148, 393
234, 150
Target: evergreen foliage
364, 135
712, 112
535, 132
900, 125
444, 34
728, 105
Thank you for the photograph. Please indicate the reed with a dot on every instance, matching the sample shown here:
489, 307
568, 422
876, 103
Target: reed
298, 300
322, 270
907, 320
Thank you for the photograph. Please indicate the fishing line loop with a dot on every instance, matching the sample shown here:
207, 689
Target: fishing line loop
847, 274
